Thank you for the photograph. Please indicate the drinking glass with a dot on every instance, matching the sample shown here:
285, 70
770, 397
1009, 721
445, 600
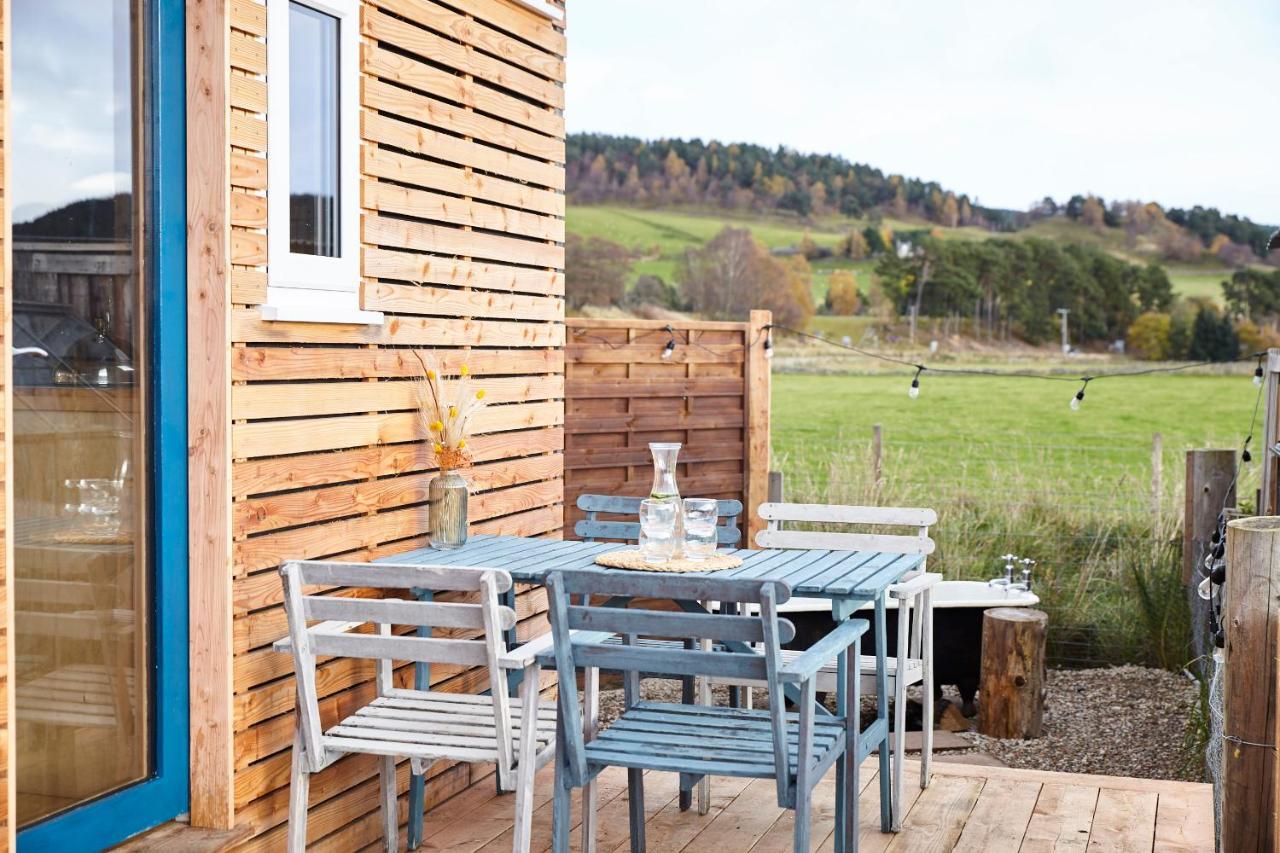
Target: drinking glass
699, 528
658, 530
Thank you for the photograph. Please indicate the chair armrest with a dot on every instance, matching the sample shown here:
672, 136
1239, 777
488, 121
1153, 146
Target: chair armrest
540, 648
915, 585
824, 651
285, 643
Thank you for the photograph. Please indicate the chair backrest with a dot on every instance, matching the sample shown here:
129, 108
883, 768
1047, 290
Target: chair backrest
777, 514
338, 615
764, 628
592, 528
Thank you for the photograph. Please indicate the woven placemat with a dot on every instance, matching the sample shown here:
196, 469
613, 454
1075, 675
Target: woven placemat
634, 560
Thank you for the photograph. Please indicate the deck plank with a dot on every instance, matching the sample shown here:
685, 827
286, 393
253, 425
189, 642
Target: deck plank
1124, 821
939, 815
1061, 820
999, 819
1184, 822
779, 837
742, 823
668, 829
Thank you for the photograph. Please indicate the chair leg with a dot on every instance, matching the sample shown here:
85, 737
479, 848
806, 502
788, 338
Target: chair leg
853, 739
590, 720
299, 791
803, 819
560, 812
704, 698
926, 657
635, 807
882, 713
390, 818
899, 744
526, 761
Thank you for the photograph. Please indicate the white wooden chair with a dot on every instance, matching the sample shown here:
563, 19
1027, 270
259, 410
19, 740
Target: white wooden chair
912, 662
423, 726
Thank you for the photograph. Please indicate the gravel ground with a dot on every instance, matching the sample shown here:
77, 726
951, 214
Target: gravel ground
1120, 721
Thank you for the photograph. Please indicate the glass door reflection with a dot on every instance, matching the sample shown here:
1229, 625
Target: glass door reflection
81, 455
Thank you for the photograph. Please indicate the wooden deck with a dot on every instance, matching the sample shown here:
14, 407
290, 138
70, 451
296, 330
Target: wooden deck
968, 807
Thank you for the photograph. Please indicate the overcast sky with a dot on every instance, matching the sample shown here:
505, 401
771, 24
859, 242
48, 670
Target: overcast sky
1172, 101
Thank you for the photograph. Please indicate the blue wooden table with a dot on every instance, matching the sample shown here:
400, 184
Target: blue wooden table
849, 579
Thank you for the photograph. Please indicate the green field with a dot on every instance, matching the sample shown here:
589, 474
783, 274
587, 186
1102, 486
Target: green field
1010, 468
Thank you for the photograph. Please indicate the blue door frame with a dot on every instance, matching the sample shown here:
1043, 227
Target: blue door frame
116, 816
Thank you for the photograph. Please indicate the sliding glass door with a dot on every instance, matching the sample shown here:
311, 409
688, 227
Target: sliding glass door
93, 328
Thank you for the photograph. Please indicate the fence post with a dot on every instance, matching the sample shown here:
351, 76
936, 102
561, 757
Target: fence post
1211, 487
877, 457
1157, 482
1249, 783
1267, 503
756, 487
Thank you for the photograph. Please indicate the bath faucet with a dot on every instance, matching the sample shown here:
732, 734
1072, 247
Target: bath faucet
1007, 580
1025, 584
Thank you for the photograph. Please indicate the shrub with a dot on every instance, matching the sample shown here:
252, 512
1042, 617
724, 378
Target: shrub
1149, 336
596, 271
652, 290
843, 297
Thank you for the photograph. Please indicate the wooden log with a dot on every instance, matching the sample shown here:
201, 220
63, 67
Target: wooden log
1013, 681
1249, 689
1211, 481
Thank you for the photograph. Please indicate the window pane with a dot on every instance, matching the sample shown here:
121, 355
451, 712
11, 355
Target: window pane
313, 132
80, 291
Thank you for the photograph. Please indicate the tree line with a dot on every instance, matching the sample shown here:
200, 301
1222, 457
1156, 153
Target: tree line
753, 179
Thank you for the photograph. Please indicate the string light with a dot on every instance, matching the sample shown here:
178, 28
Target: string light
670, 345
1079, 397
768, 342
1257, 374
914, 391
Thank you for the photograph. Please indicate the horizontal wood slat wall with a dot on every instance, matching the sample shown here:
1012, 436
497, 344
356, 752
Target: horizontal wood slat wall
462, 232
711, 394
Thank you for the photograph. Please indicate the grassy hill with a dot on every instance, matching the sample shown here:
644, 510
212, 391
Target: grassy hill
660, 237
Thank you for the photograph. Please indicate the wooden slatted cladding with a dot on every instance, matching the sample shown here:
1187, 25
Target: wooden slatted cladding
8, 821
711, 394
462, 248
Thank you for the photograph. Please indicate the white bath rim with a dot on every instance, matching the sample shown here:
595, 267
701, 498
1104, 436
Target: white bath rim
946, 594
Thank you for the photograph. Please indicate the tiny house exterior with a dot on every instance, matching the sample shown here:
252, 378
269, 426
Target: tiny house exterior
228, 224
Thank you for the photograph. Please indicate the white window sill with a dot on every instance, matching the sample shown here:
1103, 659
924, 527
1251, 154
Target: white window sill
298, 314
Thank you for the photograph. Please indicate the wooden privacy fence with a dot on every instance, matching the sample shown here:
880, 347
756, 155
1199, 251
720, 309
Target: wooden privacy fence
625, 387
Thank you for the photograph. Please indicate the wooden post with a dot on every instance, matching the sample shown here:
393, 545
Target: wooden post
877, 457
1211, 486
1012, 680
1157, 483
1268, 504
757, 439
775, 487
1250, 614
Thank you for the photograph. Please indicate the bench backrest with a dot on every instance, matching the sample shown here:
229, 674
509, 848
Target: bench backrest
636, 623
592, 528
338, 615
917, 542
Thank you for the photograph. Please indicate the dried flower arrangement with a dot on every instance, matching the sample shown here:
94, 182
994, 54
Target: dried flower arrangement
446, 410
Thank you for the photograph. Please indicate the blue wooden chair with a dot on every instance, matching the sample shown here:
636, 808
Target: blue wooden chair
794, 749
592, 528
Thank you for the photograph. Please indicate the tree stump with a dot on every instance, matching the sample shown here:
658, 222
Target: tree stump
1011, 698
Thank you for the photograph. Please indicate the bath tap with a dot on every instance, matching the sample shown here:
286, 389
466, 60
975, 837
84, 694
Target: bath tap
1007, 580
1025, 584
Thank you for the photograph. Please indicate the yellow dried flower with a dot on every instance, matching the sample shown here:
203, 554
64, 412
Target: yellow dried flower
431, 374
464, 370
480, 394
453, 411
438, 426
462, 444
437, 447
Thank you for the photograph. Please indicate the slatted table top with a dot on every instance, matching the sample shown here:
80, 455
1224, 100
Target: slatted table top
816, 573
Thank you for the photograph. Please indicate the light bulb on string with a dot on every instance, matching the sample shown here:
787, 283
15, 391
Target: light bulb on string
914, 391
1257, 374
768, 342
670, 346
1079, 397
1245, 455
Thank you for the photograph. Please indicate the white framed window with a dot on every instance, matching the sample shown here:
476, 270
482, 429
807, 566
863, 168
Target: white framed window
313, 162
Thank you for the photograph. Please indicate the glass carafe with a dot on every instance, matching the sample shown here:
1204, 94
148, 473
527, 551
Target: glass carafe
664, 483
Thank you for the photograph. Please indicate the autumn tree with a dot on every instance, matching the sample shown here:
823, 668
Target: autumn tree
853, 246
843, 297
1148, 336
733, 273
596, 271
1092, 213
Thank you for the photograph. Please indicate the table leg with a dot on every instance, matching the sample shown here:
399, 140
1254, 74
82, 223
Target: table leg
882, 714
686, 698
